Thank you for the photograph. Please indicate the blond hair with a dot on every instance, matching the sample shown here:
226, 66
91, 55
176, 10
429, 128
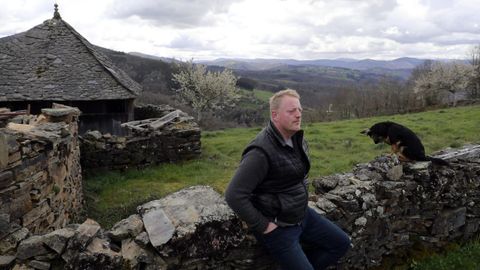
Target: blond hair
277, 97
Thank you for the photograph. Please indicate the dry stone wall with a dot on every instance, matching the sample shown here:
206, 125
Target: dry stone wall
386, 207
168, 136
40, 174
389, 207
190, 229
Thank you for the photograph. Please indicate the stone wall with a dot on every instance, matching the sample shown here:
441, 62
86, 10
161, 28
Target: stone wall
40, 174
190, 229
385, 206
169, 137
390, 207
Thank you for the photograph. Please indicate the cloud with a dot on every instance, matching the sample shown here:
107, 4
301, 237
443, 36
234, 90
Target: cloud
304, 29
176, 13
459, 16
19, 16
187, 42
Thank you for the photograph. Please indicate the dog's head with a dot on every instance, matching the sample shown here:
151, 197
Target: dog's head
378, 132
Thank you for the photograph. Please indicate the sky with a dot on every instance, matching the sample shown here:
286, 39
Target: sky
280, 29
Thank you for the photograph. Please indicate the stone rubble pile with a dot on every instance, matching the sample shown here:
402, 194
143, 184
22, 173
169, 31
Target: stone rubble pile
171, 137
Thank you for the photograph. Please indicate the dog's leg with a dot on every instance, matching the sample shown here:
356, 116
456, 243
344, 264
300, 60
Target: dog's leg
402, 158
395, 148
398, 151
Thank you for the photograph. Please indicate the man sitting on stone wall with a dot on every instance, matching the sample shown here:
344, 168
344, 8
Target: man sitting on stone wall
269, 191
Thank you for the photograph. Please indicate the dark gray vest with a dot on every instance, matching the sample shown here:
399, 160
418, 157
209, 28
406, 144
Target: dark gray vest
283, 193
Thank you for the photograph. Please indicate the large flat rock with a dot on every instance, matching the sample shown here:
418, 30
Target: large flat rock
179, 214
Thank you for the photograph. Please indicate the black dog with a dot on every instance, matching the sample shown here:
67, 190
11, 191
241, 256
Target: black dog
403, 141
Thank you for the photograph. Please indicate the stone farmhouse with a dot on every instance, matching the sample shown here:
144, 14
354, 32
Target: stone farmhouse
53, 63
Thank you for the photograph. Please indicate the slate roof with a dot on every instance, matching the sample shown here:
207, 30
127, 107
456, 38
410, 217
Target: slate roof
52, 61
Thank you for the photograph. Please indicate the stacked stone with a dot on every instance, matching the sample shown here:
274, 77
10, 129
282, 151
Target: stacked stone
388, 207
40, 175
190, 229
175, 141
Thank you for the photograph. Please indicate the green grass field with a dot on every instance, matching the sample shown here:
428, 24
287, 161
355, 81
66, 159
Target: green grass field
334, 147
262, 95
465, 257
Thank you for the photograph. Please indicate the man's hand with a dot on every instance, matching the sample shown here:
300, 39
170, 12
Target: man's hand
271, 226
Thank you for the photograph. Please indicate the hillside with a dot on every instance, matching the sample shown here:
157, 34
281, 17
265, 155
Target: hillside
364, 64
155, 75
366, 82
318, 76
314, 78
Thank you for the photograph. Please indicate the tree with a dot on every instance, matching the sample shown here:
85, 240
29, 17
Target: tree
246, 83
203, 90
419, 71
474, 90
451, 77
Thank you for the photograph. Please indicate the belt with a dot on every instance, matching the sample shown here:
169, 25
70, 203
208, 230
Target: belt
284, 224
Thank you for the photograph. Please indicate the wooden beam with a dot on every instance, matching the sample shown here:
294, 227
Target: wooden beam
165, 120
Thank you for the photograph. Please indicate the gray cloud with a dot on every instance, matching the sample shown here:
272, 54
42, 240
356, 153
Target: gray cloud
177, 13
377, 10
344, 27
460, 39
467, 21
382, 19
264, 28
299, 38
186, 42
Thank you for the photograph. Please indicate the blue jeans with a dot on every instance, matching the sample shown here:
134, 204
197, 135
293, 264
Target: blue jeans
326, 242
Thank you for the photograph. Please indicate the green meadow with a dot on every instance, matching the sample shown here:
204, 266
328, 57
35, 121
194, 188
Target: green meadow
334, 147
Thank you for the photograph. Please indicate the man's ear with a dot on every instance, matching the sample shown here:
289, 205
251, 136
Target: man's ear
274, 115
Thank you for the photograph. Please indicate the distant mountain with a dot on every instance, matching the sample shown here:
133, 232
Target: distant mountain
318, 77
149, 56
365, 64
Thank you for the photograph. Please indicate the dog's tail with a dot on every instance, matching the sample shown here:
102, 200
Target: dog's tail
438, 161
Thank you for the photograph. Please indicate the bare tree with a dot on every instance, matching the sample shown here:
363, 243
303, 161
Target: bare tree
204, 91
420, 70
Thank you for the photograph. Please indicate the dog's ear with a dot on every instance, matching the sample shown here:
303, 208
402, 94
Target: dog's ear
366, 131
380, 129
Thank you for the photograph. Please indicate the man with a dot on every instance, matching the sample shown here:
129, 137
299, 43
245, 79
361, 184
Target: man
269, 192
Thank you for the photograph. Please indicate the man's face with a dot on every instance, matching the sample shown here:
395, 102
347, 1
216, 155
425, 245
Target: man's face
288, 116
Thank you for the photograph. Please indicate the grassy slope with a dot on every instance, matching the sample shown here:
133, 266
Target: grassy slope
262, 95
334, 147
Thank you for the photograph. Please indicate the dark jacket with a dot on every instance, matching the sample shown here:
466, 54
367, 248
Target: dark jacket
274, 176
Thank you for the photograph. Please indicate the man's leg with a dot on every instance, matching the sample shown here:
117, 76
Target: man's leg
326, 242
284, 246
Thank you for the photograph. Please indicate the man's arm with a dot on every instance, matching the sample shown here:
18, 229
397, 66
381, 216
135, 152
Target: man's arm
252, 170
